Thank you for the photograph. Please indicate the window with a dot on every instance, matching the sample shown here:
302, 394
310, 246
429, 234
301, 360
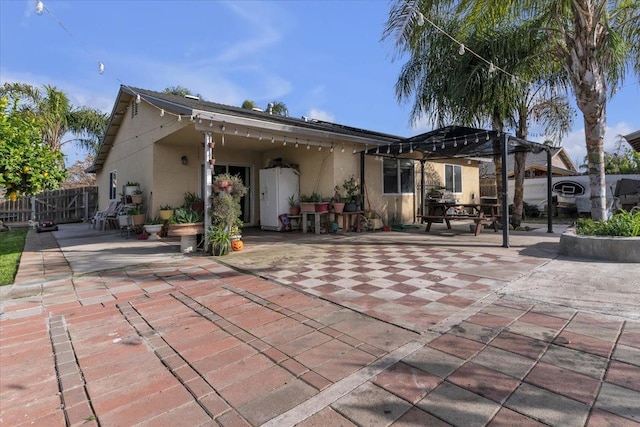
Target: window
113, 185
397, 176
453, 178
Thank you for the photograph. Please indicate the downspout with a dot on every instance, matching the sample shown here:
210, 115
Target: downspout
505, 203
549, 195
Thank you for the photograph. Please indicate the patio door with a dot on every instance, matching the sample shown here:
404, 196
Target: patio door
245, 175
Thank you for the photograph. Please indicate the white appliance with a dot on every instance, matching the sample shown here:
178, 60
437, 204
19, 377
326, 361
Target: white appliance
276, 186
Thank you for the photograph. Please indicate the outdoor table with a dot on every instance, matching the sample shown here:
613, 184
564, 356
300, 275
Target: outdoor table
480, 213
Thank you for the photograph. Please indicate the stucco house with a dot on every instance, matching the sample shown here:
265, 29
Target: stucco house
536, 165
172, 145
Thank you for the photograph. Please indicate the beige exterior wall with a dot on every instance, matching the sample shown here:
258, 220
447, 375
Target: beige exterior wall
149, 152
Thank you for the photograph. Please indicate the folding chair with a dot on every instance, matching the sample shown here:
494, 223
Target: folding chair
285, 222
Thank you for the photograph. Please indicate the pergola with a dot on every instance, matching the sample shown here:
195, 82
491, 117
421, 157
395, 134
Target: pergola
464, 142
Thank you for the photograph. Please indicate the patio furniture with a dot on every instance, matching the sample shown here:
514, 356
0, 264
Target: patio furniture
106, 217
480, 214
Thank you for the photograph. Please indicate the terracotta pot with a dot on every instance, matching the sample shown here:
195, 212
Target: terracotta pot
138, 219
307, 207
294, 210
188, 229
136, 199
322, 207
338, 207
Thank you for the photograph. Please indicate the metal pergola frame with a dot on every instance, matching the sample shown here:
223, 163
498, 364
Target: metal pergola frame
464, 142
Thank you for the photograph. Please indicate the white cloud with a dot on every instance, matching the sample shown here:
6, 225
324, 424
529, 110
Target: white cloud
318, 114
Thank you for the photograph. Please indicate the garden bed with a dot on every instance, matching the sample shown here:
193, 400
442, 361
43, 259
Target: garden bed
620, 249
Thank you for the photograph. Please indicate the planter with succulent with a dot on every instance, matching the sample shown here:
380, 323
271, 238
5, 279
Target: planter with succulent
307, 204
294, 209
338, 201
137, 216
136, 197
153, 225
217, 241
185, 222
166, 211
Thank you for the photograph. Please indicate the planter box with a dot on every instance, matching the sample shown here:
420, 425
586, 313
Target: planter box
619, 249
189, 229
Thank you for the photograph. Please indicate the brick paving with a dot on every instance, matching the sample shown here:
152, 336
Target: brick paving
377, 339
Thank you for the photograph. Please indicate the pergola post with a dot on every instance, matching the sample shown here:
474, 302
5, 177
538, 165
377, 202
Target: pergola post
423, 204
549, 195
207, 179
505, 204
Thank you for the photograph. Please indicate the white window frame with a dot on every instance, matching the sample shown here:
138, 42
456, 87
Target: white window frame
453, 188
411, 175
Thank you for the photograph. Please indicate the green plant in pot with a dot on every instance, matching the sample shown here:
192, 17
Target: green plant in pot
294, 208
352, 189
306, 203
165, 212
185, 222
217, 240
225, 212
194, 202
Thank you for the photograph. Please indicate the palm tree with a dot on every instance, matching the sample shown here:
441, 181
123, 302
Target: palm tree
279, 109
56, 117
249, 104
453, 88
595, 41
181, 91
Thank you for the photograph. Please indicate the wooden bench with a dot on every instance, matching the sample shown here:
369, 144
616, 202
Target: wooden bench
482, 220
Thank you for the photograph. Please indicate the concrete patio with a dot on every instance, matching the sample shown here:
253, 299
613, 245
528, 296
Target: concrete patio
400, 328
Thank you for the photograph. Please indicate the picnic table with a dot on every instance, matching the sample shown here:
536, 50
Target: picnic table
480, 213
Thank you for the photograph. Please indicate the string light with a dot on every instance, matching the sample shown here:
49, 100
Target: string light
179, 118
296, 144
354, 149
492, 68
476, 140
235, 131
420, 19
308, 144
284, 141
273, 139
100, 67
331, 149
259, 136
378, 149
39, 7
434, 147
465, 140
410, 148
442, 144
210, 123
342, 148
400, 151
461, 50
162, 112
248, 133
388, 149
455, 142
222, 128
138, 99
487, 136
319, 147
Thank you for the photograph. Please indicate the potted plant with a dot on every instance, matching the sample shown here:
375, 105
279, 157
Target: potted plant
153, 225
338, 200
294, 209
225, 215
217, 241
130, 187
194, 202
165, 212
136, 197
320, 205
307, 204
352, 190
137, 216
185, 222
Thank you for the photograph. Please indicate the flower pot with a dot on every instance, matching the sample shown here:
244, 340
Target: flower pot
136, 199
188, 229
307, 207
294, 210
338, 207
350, 207
165, 214
138, 219
152, 228
322, 207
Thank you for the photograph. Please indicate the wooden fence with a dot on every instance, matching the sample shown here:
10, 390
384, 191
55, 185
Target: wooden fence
59, 206
488, 187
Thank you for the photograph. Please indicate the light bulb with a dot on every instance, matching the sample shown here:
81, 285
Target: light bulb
308, 145
476, 140
442, 145
354, 149
331, 149
179, 118
319, 147
342, 148
248, 133
259, 136
400, 149
100, 67
296, 145
272, 140
200, 121
492, 68
465, 140
420, 19
378, 149
39, 7
222, 128
461, 50
235, 131
434, 147
138, 99
284, 141
162, 112
455, 142
211, 123
410, 148
487, 136
388, 149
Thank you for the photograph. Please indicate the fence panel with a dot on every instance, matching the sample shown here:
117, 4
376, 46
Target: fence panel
488, 187
59, 206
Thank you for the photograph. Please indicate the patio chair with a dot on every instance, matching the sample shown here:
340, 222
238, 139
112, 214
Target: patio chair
101, 218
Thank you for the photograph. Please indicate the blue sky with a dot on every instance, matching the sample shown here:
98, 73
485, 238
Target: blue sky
323, 59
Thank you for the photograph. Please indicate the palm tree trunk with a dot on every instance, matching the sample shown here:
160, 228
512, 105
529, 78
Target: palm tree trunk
518, 191
595, 159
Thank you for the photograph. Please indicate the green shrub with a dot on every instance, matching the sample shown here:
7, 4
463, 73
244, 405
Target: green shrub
622, 224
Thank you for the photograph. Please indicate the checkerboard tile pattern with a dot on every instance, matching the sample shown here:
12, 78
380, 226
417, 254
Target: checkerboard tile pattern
413, 288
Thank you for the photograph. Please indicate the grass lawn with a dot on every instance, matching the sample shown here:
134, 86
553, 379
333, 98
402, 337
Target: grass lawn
11, 247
